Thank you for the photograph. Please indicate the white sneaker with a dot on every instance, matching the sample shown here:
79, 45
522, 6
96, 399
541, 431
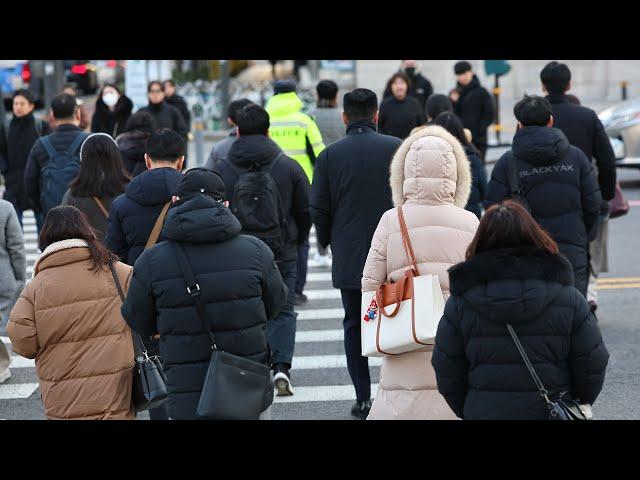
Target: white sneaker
320, 261
5, 375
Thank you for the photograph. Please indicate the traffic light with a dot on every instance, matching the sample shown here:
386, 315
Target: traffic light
496, 67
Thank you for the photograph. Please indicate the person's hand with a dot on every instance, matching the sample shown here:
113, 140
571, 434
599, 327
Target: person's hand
454, 95
156, 336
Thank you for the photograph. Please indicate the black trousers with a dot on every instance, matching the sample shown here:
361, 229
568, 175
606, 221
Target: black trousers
357, 364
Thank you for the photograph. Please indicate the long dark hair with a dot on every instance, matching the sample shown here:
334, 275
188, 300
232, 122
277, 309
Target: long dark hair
394, 77
509, 225
452, 124
67, 222
100, 105
102, 172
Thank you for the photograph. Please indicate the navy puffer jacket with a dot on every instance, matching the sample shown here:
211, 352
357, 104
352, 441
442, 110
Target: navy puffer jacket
478, 368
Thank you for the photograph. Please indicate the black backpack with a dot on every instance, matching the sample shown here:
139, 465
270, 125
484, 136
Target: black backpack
257, 205
515, 188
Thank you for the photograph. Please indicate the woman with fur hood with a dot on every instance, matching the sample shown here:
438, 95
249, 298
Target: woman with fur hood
431, 180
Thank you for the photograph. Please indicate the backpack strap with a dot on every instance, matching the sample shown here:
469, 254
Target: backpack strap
76, 144
157, 227
272, 163
46, 143
101, 207
512, 176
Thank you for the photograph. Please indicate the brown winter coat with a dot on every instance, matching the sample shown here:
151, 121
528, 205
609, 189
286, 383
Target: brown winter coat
68, 318
431, 178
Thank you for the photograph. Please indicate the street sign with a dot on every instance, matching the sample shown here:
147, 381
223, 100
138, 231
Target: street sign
135, 83
496, 67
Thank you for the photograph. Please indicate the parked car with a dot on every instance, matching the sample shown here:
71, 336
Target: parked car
83, 74
622, 124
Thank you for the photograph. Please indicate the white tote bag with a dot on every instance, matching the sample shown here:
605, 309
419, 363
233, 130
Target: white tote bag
403, 316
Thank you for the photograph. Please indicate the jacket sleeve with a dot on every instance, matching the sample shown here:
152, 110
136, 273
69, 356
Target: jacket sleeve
321, 200
588, 356
449, 360
382, 119
486, 118
212, 159
314, 137
15, 246
115, 239
32, 174
179, 123
301, 213
374, 272
22, 325
139, 308
605, 160
498, 187
589, 191
4, 159
274, 290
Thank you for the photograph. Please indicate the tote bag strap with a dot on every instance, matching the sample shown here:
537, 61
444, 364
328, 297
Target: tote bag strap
101, 207
193, 289
157, 227
407, 241
138, 345
543, 391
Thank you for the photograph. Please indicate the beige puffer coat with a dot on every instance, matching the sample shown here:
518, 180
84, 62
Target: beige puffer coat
68, 318
431, 178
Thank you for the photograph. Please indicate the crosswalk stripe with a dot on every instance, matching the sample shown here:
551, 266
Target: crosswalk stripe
17, 390
322, 294
321, 314
602, 281
327, 361
319, 277
21, 362
5, 340
324, 393
312, 336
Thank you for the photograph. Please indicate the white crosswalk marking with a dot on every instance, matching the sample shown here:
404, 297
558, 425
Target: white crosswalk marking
319, 372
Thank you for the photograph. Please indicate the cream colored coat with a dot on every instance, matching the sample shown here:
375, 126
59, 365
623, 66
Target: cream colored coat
431, 178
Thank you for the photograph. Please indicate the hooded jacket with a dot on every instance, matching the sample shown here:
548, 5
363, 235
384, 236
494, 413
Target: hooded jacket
179, 102
295, 132
111, 122
167, 116
560, 187
132, 146
475, 109
13, 260
431, 180
134, 213
479, 183
241, 289
68, 318
478, 368
290, 179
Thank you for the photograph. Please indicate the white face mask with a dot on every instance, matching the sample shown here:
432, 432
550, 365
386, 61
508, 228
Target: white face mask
110, 99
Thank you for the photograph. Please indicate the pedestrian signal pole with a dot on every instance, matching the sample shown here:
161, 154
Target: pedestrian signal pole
496, 96
497, 68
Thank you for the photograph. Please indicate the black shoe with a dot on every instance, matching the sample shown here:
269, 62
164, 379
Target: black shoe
361, 409
282, 380
300, 298
593, 306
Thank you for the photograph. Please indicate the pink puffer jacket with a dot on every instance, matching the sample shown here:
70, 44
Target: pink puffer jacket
431, 178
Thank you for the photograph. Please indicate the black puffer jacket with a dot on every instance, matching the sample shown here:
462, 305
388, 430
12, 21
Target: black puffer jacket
398, 117
167, 116
293, 185
479, 183
180, 103
132, 146
478, 368
560, 187
134, 213
475, 109
241, 289
111, 122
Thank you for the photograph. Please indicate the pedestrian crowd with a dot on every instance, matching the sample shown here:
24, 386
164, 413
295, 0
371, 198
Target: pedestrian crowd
174, 291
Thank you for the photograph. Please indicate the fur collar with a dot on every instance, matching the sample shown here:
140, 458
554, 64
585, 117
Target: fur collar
510, 263
463, 182
57, 247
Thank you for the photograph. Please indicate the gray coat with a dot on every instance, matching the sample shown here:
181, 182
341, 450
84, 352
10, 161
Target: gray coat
329, 121
13, 260
220, 150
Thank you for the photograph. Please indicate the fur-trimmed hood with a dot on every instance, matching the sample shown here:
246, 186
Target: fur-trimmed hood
56, 247
511, 284
431, 168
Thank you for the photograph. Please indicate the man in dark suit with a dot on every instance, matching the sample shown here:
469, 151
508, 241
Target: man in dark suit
349, 194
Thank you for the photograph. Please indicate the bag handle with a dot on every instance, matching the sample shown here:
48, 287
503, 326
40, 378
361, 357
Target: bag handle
139, 349
157, 227
543, 391
407, 241
101, 207
193, 289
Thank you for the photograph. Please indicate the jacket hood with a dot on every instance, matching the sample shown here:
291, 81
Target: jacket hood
511, 285
430, 168
200, 219
134, 140
252, 150
540, 145
284, 104
154, 187
62, 253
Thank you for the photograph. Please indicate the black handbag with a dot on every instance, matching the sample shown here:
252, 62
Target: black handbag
235, 388
149, 381
562, 406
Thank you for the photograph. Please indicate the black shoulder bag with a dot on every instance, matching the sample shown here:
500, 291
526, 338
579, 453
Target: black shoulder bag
234, 387
149, 381
563, 407
515, 189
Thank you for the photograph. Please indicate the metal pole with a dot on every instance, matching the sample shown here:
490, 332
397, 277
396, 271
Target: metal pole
623, 86
225, 71
496, 95
199, 146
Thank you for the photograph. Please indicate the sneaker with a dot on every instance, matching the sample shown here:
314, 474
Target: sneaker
319, 261
361, 409
282, 380
300, 298
593, 306
5, 375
